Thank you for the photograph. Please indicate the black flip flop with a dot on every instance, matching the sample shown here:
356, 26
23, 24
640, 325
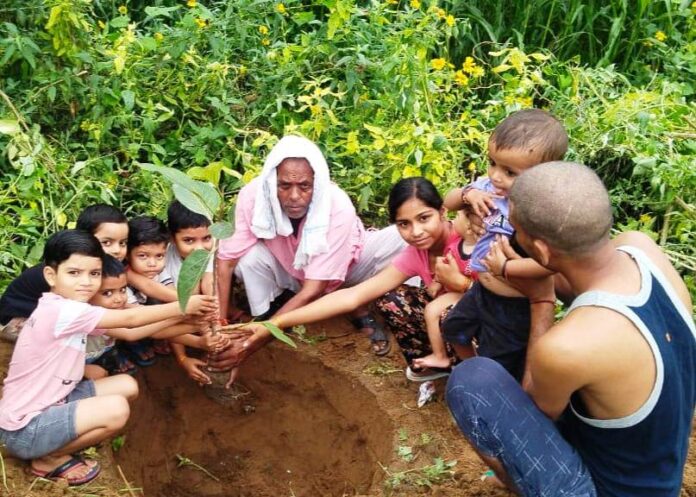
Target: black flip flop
378, 334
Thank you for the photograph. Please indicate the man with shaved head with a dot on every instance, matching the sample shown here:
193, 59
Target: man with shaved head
608, 405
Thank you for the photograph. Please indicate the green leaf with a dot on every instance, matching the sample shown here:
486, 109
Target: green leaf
221, 230
209, 173
159, 11
303, 18
278, 333
191, 201
192, 271
119, 22
128, 99
9, 127
206, 193
118, 442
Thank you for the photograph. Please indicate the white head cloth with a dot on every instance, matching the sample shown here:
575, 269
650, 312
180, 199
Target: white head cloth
269, 219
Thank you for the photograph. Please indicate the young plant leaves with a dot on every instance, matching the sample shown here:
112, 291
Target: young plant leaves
221, 230
206, 192
192, 271
278, 333
191, 201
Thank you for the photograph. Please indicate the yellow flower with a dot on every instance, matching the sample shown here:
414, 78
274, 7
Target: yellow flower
101, 24
645, 218
438, 64
201, 23
159, 36
525, 101
468, 65
472, 166
265, 42
450, 20
263, 30
440, 13
415, 4
281, 9
660, 36
460, 78
191, 3
123, 10
477, 72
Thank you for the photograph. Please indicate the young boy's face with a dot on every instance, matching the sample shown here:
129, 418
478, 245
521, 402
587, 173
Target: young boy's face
505, 165
76, 278
113, 238
112, 294
189, 239
147, 259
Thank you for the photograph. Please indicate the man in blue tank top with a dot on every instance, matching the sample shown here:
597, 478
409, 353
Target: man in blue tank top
608, 396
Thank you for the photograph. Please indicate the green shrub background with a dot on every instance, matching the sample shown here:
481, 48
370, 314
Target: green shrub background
387, 88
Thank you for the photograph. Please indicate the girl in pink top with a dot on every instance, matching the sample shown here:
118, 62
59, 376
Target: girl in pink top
458, 251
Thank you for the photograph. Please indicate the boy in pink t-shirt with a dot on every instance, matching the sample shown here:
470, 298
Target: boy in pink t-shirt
47, 412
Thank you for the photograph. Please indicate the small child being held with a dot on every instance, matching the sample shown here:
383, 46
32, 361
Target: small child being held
493, 312
47, 411
458, 256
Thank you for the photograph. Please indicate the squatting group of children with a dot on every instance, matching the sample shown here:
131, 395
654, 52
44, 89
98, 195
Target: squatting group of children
108, 280
53, 405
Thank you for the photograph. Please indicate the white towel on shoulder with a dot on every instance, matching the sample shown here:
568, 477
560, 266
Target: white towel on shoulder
269, 219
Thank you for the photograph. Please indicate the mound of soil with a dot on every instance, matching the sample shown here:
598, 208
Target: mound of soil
326, 420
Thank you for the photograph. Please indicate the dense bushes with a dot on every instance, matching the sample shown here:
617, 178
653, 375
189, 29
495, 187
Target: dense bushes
387, 89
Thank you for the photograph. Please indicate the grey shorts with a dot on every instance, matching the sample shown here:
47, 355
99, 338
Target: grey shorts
50, 430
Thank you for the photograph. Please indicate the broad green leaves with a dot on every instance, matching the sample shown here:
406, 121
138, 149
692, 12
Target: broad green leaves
278, 333
192, 271
9, 127
198, 196
221, 230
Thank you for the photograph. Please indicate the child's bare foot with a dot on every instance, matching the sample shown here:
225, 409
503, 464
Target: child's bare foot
432, 361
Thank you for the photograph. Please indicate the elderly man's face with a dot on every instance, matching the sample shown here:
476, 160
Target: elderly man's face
295, 187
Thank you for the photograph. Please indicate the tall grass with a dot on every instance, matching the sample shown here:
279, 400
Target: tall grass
599, 32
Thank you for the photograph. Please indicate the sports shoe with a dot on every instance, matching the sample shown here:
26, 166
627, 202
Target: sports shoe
426, 374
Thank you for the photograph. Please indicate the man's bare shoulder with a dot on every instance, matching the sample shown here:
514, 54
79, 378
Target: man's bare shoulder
587, 341
658, 257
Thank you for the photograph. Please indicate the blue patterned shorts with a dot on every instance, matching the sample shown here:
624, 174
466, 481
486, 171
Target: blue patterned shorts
501, 421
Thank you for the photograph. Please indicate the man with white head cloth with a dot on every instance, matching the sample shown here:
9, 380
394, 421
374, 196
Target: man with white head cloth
296, 230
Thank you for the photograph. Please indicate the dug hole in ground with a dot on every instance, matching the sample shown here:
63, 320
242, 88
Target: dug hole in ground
328, 419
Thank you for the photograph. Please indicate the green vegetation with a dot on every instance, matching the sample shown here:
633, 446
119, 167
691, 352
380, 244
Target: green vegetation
387, 88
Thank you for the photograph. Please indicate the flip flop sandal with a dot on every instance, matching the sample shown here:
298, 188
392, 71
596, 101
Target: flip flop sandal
161, 347
115, 362
139, 353
62, 472
381, 345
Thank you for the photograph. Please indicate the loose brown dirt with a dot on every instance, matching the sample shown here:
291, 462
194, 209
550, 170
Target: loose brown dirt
326, 420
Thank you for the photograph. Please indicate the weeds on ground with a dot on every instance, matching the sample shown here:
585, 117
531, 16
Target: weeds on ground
118, 442
425, 476
185, 461
380, 369
300, 332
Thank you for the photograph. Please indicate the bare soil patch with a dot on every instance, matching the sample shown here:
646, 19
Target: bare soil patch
326, 420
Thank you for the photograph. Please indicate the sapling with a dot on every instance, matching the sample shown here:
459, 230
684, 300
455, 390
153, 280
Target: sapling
198, 191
